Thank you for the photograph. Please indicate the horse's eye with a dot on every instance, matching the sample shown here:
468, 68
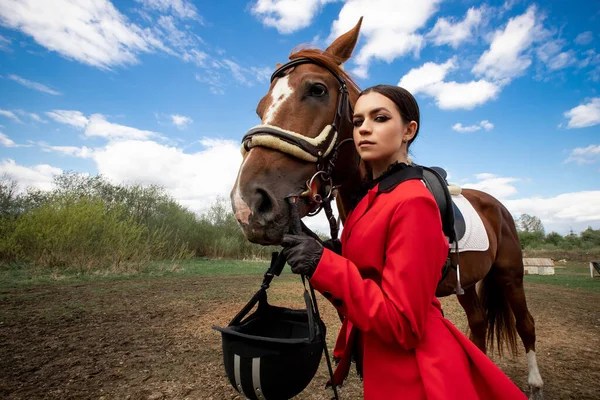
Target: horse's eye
318, 90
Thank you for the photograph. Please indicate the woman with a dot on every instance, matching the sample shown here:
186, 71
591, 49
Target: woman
384, 283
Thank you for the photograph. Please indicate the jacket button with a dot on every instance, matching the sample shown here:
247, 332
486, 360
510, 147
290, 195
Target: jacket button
327, 295
338, 302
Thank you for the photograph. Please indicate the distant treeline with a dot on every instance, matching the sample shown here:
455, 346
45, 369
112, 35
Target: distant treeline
532, 235
88, 223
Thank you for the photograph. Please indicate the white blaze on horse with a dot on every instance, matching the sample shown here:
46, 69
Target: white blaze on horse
297, 140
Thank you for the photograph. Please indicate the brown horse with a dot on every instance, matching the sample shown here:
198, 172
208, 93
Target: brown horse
297, 140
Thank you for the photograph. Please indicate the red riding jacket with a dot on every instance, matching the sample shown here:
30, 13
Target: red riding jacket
384, 285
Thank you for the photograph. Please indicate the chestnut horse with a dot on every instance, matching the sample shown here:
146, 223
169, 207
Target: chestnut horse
297, 140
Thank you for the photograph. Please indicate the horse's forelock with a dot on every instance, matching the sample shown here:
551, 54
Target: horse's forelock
326, 59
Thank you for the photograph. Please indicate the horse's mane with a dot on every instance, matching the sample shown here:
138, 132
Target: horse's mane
327, 59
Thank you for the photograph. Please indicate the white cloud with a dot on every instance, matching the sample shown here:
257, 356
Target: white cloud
563, 212
236, 70
585, 155
429, 80
498, 187
6, 141
389, 28
591, 58
584, 38
485, 124
69, 117
560, 213
181, 121
33, 85
33, 116
509, 55
39, 176
562, 60
98, 126
184, 175
91, 32
262, 74
453, 34
10, 114
584, 115
287, 16
79, 152
4, 43
550, 54
180, 8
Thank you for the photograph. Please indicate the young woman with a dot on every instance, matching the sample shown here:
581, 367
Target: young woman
384, 283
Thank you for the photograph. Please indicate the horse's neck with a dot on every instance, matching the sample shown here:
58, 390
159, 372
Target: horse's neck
352, 173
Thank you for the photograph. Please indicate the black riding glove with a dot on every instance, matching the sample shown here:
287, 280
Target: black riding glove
334, 245
302, 252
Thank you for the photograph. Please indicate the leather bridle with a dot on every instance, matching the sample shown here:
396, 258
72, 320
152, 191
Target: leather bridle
321, 150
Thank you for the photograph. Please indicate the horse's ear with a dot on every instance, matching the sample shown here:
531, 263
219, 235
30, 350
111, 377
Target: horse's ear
343, 46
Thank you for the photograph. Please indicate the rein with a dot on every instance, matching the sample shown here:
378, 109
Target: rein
321, 150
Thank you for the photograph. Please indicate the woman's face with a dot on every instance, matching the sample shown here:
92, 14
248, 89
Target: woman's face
379, 131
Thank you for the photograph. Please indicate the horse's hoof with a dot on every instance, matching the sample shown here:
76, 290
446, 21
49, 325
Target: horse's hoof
536, 393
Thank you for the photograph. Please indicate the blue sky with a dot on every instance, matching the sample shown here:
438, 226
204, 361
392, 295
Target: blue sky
161, 91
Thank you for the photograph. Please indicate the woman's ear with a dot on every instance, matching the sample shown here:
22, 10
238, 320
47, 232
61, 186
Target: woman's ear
411, 131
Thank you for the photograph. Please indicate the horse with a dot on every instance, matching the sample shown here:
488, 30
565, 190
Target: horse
305, 124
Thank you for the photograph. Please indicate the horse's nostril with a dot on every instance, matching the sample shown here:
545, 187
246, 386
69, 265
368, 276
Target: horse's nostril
264, 204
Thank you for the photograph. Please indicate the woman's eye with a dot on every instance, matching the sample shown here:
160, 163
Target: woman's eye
381, 118
318, 90
357, 122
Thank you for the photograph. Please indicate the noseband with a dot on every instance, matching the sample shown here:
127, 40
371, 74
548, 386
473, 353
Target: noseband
321, 150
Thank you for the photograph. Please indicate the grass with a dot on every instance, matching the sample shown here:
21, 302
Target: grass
574, 275
22, 275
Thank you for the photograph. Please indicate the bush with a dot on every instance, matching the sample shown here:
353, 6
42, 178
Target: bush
89, 223
86, 234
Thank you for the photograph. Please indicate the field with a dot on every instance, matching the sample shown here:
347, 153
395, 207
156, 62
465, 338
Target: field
147, 335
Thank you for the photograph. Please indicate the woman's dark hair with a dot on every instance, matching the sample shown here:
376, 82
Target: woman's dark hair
404, 101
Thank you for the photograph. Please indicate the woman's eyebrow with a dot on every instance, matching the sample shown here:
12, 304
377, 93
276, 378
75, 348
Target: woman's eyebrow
373, 111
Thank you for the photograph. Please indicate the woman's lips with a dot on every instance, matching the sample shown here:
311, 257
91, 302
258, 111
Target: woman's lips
365, 143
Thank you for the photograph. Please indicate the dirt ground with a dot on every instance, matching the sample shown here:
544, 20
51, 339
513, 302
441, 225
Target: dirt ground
152, 339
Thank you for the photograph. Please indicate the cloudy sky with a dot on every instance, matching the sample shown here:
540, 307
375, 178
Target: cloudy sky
161, 91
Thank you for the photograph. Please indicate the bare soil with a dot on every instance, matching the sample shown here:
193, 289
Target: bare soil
152, 339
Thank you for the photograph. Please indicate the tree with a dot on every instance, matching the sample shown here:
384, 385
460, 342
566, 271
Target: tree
590, 237
9, 199
530, 223
554, 238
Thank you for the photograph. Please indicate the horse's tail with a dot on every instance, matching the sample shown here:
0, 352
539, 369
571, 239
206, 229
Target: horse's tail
500, 318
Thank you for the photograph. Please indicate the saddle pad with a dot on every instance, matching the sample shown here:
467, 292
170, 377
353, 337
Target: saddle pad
475, 238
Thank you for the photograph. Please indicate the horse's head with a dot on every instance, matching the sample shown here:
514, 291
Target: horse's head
304, 117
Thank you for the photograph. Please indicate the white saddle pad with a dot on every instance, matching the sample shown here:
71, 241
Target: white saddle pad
475, 238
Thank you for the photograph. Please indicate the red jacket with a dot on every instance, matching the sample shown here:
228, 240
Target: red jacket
384, 285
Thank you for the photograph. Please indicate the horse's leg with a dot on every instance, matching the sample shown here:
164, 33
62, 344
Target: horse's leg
509, 269
476, 316
526, 330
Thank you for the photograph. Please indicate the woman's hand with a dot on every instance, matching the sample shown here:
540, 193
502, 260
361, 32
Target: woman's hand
302, 252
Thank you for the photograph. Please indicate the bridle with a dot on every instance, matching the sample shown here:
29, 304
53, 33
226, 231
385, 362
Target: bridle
321, 150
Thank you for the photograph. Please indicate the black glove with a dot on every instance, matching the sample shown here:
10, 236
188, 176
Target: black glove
302, 252
334, 245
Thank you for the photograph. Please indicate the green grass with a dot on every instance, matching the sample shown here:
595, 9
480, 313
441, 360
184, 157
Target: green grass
575, 275
21, 275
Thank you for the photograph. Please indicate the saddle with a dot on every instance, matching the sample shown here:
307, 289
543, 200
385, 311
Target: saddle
453, 222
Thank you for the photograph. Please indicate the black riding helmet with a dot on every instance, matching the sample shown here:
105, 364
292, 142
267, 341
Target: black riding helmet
275, 352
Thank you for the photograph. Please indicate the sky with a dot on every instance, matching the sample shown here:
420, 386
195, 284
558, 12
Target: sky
162, 91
